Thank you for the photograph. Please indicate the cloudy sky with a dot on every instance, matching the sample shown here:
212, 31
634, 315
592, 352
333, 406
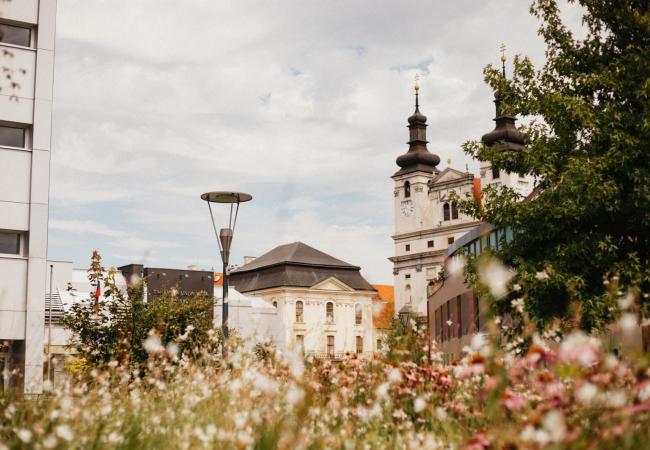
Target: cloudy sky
303, 104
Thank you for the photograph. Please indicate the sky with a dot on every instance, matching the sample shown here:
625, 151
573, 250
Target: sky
302, 104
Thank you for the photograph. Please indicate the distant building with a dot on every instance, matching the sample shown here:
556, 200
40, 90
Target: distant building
383, 311
184, 281
253, 318
324, 303
27, 62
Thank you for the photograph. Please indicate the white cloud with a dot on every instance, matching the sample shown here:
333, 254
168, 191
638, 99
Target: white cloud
302, 103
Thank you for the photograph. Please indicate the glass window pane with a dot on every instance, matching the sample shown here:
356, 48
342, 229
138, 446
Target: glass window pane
10, 243
12, 136
10, 34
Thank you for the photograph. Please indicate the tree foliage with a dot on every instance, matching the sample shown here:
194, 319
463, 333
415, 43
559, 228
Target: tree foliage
588, 129
125, 320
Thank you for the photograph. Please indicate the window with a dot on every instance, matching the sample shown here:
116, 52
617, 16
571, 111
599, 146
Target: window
450, 240
300, 342
407, 189
454, 211
358, 314
299, 312
329, 312
408, 247
359, 345
9, 243
430, 244
429, 288
275, 304
407, 276
407, 291
378, 345
330, 345
446, 212
11, 34
495, 173
12, 136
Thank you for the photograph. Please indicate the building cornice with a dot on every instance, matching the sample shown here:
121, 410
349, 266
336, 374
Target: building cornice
434, 231
420, 255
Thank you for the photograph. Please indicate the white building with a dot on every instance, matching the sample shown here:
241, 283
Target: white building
426, 220
325, 305
253, 318
27, 44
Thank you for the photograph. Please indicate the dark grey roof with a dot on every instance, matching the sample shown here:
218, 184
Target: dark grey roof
297, 253
295, 265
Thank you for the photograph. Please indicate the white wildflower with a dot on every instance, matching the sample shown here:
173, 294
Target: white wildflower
381, 391
64, 432
395, 376
518, 304
24, 435
516, 287
542, 276
441, 413
627, 322
152, 344
456, 265
586, 393
172, 349
419, 404
644, 392
626, 302
49, 442
495, 276
555, 425
616, 399
450, 323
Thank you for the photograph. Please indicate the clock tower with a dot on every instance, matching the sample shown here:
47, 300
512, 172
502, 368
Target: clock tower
426, 221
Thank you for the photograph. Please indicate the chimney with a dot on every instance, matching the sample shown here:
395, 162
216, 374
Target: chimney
249, 259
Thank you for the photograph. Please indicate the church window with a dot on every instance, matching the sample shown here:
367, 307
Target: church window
454, 211
408, 247
329, 312
407, 290
358, 314
407, 189
407, 276
299, 312
430, 244
359, 345
446, 212
495, 173
275, 304
378, 345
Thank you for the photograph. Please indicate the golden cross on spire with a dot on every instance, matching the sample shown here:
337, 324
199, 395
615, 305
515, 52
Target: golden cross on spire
417, 82
503, 52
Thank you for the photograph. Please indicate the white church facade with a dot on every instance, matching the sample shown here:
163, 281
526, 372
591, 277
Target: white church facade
427, 221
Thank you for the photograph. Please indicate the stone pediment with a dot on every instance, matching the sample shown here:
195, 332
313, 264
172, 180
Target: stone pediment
332, 284
449, 174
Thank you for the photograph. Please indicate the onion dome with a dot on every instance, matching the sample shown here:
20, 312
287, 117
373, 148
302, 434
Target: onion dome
418, 157
505, 133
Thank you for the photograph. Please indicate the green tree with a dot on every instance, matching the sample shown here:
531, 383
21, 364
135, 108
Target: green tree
119, 326
588, 132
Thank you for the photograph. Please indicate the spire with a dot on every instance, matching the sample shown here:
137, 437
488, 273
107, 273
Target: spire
418, 156
505, 132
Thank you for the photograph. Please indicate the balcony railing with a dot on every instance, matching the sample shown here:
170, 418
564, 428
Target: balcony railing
338, 356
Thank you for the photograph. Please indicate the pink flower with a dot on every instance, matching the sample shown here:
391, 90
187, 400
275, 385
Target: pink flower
514, 403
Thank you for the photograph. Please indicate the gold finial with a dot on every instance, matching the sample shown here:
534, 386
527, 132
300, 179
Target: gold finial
417, 82
503, 53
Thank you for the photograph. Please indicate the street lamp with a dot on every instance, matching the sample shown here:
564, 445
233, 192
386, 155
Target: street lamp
224, 239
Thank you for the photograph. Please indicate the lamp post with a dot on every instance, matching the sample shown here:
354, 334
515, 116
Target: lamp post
224, 239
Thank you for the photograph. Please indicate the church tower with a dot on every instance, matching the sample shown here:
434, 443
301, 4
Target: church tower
507, 138
426, 221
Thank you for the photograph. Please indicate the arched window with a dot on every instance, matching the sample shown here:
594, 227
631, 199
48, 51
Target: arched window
359, 345
407, 189
329, 312
446, 215
358, 314
454, 211
407, 291
299, 312
275, 304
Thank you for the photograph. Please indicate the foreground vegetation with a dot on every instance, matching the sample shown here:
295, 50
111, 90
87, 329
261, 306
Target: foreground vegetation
573, 396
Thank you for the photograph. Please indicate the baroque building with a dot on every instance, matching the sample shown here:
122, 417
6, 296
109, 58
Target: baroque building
325, 304
426, 219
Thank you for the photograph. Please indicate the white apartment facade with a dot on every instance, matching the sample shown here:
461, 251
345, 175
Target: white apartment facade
27, 30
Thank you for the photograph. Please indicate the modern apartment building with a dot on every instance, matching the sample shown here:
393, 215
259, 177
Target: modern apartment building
27, 61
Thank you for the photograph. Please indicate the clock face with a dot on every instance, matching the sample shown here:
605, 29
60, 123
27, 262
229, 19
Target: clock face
407, 208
